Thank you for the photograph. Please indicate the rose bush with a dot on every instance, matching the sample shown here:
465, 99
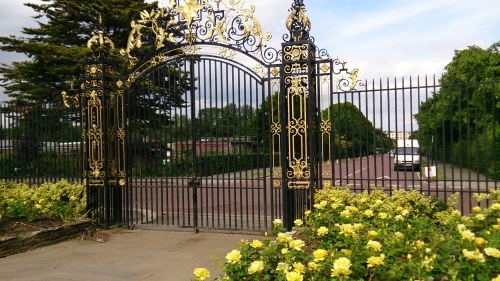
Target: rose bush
374, 236
62, 199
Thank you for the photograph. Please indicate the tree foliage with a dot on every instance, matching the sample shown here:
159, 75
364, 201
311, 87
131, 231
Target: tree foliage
352, 134
228, 121
463, 114
56, 49
467, 98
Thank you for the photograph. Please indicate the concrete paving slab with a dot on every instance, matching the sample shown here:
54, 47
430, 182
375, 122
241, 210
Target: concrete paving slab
126, 255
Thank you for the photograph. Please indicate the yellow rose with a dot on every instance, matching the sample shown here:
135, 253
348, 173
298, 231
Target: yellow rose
382, 215
495, 206
345, 213
233, 257
372, 233
277, 222
468, 235
374, 245
341, 267
296, 244
307, 213
480, 217
256, 266
320, 255
418, 244
284, 251
352, 208
299, 267
322, 231
298, 222
294, 276
399, 234
256, 244
480, 241
368, 213
346, 252
282, 267
312, 265
282, 237
492, 252
375, 261
201, 273
473, 255
347, 229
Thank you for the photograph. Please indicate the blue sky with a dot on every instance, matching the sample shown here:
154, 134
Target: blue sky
383, 38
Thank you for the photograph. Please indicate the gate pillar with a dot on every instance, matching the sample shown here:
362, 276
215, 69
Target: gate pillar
299, 116
103, 135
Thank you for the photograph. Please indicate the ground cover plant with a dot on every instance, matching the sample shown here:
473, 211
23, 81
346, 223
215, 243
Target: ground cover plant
374, 236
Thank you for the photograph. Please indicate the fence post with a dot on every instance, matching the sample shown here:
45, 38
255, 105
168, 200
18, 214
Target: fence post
103, 114
298, 116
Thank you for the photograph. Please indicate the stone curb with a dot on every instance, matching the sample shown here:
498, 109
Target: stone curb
14, 245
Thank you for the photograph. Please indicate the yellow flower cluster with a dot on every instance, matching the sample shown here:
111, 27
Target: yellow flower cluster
344, 226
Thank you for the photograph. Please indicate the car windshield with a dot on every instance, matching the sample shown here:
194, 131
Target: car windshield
408, 150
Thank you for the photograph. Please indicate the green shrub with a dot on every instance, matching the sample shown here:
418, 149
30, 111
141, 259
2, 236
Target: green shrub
62, 199
374, 236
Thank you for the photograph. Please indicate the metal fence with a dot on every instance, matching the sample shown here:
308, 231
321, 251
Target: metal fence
39, 144
230, 149
455, 124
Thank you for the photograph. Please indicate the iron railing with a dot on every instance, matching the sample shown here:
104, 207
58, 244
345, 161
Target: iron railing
194, 171
39, 144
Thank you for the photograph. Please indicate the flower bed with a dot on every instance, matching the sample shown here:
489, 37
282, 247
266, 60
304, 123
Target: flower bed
35, 216
62, 199
373, 236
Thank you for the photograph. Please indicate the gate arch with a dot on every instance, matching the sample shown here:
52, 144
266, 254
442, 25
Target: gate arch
211, 172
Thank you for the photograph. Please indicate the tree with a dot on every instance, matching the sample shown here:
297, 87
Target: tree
57, 47
228, 121
57, 51
466, 99
463, 114
352, 134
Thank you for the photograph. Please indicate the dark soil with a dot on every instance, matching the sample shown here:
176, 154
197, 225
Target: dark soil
22, 227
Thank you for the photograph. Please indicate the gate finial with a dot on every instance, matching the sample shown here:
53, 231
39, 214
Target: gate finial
297, 22
99, 40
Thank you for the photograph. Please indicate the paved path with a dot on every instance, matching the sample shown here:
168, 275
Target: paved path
126, 255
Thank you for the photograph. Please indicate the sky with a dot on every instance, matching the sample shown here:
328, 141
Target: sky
382, 38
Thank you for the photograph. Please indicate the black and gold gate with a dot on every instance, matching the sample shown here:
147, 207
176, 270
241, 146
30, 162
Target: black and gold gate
205, 127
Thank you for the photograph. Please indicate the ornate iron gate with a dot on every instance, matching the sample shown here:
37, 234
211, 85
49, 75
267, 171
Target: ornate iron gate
185, 157
206, 127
